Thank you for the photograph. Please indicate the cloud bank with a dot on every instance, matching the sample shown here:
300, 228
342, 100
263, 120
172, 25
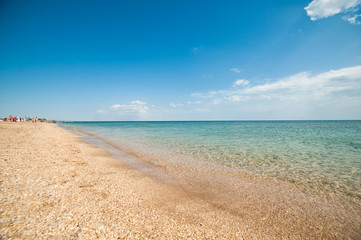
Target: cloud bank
333, 94
318, 9
344, 80
326, 91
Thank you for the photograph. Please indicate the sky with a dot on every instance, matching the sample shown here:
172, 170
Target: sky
181, 60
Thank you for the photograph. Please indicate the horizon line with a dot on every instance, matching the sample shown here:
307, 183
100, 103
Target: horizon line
253, 120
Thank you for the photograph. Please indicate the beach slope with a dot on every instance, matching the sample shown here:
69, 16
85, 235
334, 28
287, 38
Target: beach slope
55, 185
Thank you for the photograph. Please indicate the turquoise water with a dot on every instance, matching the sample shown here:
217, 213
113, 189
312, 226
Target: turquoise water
324, 155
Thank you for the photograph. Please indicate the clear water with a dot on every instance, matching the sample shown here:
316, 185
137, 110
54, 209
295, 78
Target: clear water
319, 154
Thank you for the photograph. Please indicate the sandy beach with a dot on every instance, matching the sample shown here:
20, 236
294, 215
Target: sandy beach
54, 185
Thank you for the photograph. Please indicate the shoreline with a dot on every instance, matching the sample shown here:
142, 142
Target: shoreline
131, 160
160, 168
81, 191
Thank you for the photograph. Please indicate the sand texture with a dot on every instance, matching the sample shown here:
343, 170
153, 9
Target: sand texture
54, 185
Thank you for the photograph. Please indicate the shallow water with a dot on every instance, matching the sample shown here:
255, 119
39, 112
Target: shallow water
323, 155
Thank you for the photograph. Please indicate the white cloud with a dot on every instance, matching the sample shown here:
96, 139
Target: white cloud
353, 20
303, 83
174, 105
318, 9
237, 98
116, 106
135, 106
334, 85
333, 94
241, 82
137, 102
236, 70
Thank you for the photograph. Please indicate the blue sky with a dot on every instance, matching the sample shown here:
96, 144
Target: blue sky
181, 60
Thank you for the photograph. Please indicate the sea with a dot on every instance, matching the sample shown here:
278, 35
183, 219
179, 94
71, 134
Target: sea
317, 155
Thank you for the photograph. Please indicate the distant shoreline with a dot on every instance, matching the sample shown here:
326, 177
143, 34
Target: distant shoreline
214, 121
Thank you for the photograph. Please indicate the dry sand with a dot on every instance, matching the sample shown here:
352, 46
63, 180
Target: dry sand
54, 185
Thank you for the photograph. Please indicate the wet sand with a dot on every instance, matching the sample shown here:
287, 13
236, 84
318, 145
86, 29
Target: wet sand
53, 184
